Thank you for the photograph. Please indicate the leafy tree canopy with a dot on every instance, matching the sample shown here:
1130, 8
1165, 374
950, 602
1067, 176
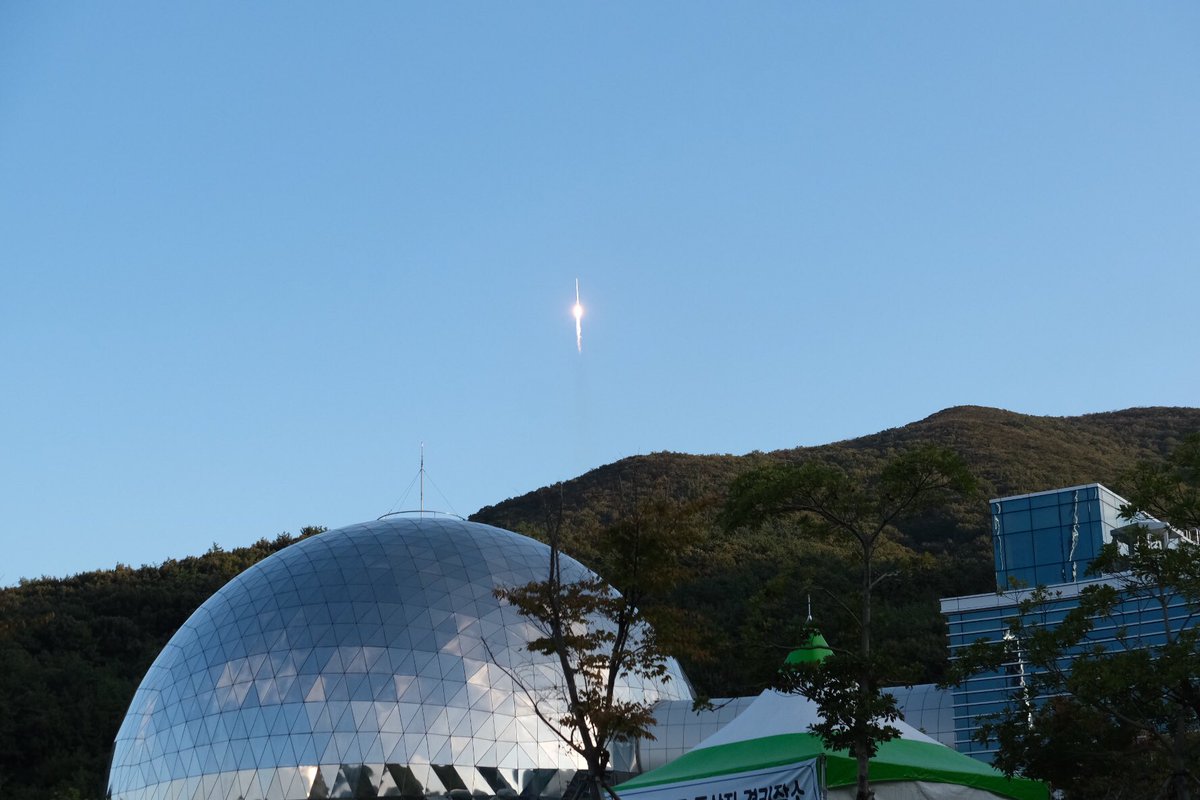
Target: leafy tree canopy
598, 635
864, 510
1110, 702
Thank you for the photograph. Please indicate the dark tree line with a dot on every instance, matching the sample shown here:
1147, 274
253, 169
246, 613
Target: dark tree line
72, 652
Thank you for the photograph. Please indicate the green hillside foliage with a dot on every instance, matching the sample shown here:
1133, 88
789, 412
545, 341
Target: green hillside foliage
750, 588
73, 650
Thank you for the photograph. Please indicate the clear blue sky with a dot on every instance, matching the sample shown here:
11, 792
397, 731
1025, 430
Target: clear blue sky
252, 254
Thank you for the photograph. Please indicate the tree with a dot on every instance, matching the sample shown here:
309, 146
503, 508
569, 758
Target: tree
598, 635
1110, 702
846, 685
1110, 695
1168, 490
73, 651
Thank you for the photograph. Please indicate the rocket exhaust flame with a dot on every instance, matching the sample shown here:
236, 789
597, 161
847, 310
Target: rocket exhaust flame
578, 312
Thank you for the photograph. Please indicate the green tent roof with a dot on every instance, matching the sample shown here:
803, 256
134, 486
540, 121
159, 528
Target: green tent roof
896, 760
815, 649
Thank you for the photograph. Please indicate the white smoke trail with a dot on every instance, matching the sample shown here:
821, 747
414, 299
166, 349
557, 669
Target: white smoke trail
578, 312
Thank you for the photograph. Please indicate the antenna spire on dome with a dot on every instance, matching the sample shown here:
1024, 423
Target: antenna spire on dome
419, 481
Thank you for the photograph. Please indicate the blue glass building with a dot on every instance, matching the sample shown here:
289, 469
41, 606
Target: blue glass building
1051, 537
1044, 539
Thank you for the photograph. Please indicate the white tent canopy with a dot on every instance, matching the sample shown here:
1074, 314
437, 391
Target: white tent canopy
773, 734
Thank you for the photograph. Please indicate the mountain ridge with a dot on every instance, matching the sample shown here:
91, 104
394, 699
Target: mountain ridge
749, 585
980, 433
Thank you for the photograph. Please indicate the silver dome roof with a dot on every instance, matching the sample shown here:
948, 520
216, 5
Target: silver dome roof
368, 661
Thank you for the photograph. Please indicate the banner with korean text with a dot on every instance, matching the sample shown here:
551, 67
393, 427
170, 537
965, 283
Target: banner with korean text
796, 781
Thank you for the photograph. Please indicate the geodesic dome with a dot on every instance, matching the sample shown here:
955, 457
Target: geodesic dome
368, 661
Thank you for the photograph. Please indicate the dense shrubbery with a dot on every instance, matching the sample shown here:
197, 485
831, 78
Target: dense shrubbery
73, 650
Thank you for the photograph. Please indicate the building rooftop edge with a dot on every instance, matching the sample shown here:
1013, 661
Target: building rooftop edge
973, 602
1055, 491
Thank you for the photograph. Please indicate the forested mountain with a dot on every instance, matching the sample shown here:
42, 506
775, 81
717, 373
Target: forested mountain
72, 650
1010, 453
749, 589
